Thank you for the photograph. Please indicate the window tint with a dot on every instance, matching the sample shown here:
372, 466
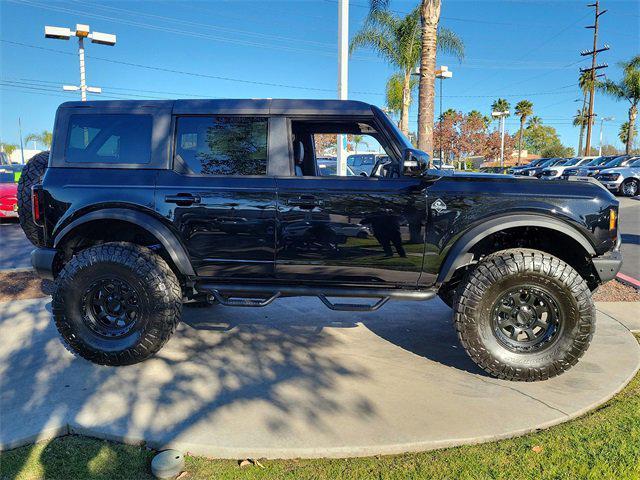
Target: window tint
109, 139
222, 145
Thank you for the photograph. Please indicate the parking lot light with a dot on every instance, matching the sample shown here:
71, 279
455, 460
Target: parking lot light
81, 31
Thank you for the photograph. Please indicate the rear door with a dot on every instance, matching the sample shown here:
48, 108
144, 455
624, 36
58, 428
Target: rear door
220, 196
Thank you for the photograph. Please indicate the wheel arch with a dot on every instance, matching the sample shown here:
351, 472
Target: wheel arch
139, 221
461, 253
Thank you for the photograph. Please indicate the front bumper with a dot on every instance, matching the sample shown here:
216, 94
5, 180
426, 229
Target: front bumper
613, 186
42, 260
608, 265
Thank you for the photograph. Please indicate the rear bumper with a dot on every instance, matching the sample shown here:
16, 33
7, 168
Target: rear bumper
609, 264
42, 260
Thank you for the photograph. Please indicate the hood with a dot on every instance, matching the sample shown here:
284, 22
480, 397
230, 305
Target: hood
622, 170
8, 189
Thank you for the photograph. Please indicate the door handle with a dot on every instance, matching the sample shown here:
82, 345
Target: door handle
305, 201
182, 199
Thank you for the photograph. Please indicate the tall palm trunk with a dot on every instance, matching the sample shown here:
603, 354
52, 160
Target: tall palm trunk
582, 125
406, 102
633, 113
522, 120
429, 18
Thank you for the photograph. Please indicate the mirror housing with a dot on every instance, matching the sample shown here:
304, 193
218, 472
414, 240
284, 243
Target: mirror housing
415, 162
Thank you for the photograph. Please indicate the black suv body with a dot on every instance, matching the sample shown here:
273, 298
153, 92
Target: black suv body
221, 201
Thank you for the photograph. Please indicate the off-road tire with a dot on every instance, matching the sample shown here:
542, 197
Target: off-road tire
627, 187
31, 175
156, 286
507, 269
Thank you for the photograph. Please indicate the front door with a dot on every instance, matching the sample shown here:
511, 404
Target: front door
219, 196
362, 228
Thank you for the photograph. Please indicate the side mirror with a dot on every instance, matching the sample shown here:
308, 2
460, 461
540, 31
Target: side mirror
415, 162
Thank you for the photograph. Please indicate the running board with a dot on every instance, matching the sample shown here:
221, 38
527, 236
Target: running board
263, 295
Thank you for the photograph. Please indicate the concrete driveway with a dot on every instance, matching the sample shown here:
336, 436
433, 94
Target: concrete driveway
292, 380
15, 249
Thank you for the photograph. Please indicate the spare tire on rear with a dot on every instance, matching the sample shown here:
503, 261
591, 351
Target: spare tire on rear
32, 174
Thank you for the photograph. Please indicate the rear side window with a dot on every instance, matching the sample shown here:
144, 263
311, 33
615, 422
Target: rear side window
217, 145
117, 139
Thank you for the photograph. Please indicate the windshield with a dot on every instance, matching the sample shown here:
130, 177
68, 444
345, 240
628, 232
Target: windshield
572, 161
599, 161
635, 163
546, 163
616, 162
4, 159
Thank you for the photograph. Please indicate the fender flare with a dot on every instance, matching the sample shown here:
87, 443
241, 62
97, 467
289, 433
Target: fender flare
174, 248
459, 254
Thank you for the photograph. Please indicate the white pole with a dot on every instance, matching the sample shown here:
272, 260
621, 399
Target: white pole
600, 148
502, 141
343, 76
21, 145
83, 83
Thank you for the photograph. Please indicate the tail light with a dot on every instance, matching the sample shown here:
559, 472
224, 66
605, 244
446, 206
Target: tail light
613, 219
36, 206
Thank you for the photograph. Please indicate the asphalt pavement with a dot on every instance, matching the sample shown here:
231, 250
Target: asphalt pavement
15, 248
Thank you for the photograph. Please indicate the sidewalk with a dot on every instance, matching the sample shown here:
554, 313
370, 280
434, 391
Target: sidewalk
292, 380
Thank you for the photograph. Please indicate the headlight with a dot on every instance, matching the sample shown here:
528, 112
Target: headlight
608, 177
531, 173
571, 171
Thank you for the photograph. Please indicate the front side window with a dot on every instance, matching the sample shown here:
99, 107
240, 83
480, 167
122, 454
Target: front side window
116, 139
221, 145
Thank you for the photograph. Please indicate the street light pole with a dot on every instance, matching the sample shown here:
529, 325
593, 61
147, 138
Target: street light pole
343, 78
82, 31
442, 73
602, 120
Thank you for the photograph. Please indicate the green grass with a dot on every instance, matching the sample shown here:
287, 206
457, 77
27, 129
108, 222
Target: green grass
604, 444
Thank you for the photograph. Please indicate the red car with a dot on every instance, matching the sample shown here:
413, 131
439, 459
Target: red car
8, 200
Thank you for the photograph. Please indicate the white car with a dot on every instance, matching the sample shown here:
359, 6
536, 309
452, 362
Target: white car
555, 172
624, 180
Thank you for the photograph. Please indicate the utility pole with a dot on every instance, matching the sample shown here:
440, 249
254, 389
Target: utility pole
343, 77
594, 66
82, 32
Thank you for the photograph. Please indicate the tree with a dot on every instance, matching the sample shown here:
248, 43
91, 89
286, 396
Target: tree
628, 88
609, 150
492, 145
623, 135
397, 40
537, 137
524, 108
557, 150
585, 81
500, 105
357, 140
325, 142
9, 148
534, 121
394, 93
43, 138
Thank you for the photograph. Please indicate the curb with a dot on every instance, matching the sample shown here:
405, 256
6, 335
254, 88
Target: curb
629, 281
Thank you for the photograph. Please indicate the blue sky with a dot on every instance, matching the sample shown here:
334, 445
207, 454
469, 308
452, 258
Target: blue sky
288, 49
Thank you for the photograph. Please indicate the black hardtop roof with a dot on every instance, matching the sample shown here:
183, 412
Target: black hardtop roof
234, 106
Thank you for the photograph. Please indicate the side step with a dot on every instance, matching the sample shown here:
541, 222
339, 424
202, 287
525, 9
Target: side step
263, 295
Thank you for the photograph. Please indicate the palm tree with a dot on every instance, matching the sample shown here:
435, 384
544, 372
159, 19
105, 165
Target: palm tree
394, 92
623, 134
357, 140
584, 82
44, 138
534, 121
397, 40
500, 105
524, 108
627, 88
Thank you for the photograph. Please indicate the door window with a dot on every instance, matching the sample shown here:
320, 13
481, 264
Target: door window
218, 145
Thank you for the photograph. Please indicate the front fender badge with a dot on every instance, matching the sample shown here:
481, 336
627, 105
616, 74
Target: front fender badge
439, 206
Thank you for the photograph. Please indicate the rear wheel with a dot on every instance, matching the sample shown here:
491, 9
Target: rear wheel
524, 315
31, 175
116, 304
630, 187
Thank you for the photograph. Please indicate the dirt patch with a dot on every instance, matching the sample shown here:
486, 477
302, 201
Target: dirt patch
23, 285
615, 291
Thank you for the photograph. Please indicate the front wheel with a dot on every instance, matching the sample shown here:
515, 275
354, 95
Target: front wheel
116, 304
630, 187
524, 315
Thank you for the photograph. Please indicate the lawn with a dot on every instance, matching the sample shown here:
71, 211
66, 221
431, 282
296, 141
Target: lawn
604, 444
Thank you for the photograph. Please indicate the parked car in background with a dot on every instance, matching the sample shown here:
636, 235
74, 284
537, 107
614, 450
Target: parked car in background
328, 166
8, 196
438, 164
622, 180
531, 164
364, 162
501, 170
581, 171
6, 166
556, 171
612, 162
534, 171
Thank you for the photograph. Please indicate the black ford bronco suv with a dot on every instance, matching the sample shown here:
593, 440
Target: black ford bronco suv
142, 206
